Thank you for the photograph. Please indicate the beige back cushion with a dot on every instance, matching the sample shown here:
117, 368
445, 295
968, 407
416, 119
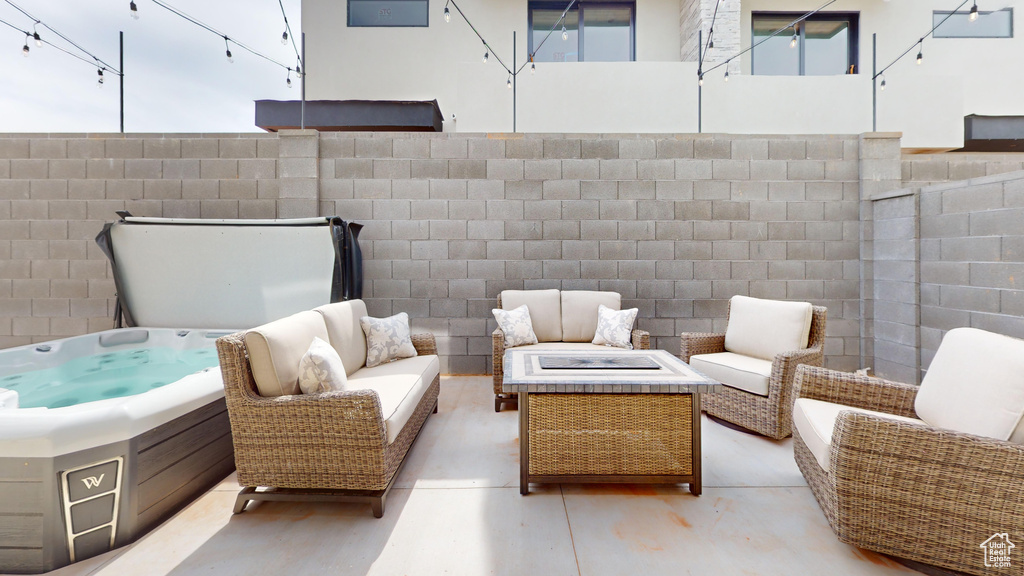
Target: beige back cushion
579, 313
764, 328
545, 311
276, 348
346, 334
975, 384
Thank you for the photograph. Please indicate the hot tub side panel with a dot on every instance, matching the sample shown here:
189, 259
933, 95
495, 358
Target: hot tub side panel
179, 461
160, 472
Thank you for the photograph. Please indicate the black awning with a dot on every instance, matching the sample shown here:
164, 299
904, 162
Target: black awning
350, 115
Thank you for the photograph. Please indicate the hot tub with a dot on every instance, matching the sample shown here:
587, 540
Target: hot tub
89, 468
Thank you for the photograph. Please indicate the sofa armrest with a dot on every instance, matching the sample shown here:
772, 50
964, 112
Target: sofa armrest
424, 343
694, 343
641, 339
497, 359
897, 480
854, 390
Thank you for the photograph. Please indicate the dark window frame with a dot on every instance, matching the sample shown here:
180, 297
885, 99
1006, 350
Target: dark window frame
349, 24
853, 48
580, 8
944, 13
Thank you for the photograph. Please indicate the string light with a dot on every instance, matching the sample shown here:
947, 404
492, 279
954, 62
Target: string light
447, 15
882, 85
35, 35
974, 13
486, 54
919, 44
793, 41
24, 49
227, 50
726, 77
711, 38
284, 38
920, 52
288, 80
533, 66
99, 82
133, 10
700, 79
508, 83
565, 33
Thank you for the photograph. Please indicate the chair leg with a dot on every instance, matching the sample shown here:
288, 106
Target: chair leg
241, 500
377, 505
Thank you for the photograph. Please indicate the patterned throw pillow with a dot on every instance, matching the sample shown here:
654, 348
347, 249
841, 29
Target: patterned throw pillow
321, 370
387, 339
516, 325
615, 327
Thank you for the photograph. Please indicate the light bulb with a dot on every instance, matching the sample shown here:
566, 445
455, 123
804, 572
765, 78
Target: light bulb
508, 83
39, 41
565, 34
288, 81
447, 15
726, 78
882, 85
284, 38
228, 54
533, 68
700, 79
711, 38
99, 82
134, 10
792, 42
920, 57
24, 49
486, 54
974, 13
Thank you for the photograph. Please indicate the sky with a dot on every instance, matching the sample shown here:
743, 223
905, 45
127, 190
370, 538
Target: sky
176, 75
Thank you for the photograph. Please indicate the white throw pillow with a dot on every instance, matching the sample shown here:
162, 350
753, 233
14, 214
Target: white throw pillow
615, 327
321, 369
516, 325
387, 339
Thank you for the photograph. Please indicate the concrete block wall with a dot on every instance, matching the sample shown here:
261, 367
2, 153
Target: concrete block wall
57, 191
676, 224
896, 290
925, 169
972, 258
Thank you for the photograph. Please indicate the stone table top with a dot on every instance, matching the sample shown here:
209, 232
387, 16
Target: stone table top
523, 373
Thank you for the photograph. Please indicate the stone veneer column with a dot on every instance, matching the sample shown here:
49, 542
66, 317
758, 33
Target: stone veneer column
696, 16
880, 172
298, 174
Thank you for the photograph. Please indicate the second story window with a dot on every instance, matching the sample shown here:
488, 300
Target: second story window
590, 32
822, 45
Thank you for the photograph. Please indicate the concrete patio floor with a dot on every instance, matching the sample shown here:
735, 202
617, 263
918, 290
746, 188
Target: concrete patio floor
456, 509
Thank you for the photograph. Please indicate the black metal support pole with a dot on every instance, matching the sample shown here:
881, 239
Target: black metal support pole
515, 74
302, 117
121, 34
874, 82
700, 70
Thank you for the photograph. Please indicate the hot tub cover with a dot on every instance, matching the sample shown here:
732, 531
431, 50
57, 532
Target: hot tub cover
228, 274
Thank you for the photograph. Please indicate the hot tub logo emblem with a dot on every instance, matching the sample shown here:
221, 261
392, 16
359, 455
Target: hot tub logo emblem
92, 481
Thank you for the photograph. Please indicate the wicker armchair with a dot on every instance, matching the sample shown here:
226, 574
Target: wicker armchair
769, 415
902, 487
640, 339
330, 447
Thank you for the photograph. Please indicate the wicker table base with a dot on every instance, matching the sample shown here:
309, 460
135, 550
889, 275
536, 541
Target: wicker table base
607, 425
609, 438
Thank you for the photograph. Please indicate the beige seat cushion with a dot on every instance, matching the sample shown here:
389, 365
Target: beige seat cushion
346, 335
400, 386
764, 328
816, 420
579, 313
975, 384
545, 311
735, 370
276, 348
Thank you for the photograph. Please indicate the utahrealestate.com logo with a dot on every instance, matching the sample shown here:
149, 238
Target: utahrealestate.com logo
997, 550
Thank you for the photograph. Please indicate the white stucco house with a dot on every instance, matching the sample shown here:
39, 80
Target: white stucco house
632, 65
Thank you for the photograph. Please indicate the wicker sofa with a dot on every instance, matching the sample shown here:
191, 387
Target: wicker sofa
756, 358
929, 473
562, 319
335, 446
